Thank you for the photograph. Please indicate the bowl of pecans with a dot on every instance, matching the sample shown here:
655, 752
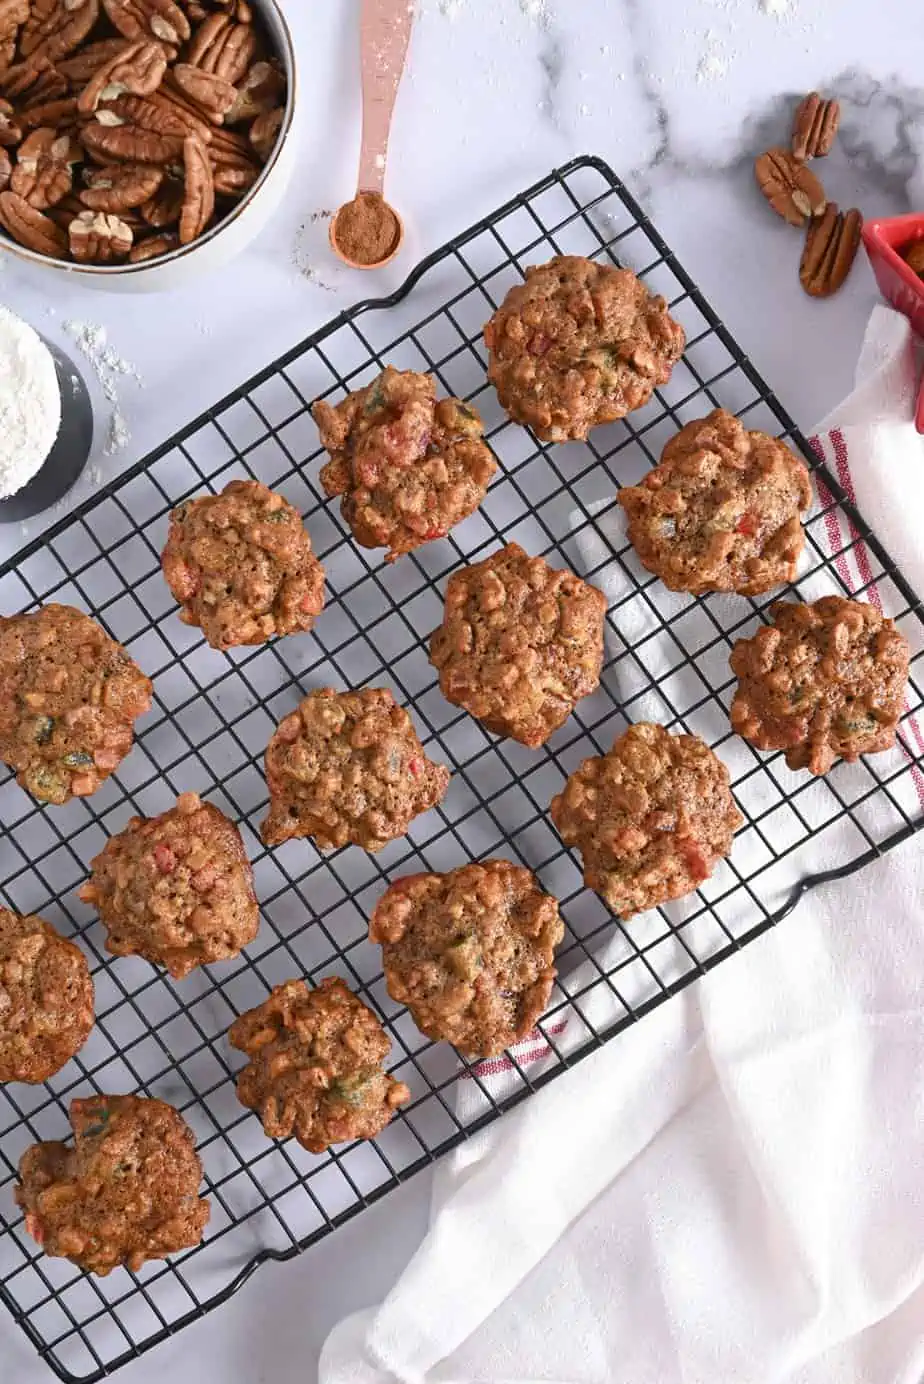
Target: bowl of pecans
141, 141
895, 246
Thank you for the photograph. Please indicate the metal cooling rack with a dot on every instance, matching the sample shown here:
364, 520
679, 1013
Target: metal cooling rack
213, 715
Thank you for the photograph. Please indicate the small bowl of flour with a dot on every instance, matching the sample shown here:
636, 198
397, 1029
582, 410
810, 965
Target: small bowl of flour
46, 421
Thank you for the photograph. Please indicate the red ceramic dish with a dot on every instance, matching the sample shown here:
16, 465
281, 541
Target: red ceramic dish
897, 283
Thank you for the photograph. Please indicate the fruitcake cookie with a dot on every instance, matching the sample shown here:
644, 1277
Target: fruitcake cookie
579, 344
126, 1192
409, 467
521, 642
315, 1066
470, 952
348, 767
69, 696
652, 817
176, 889
722, 511
822, 682
46, 999
241, 566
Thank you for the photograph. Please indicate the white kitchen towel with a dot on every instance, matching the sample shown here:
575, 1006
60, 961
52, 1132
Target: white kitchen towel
732, 1191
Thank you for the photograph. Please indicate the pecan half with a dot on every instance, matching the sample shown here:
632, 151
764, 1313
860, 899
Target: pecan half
211, 94
260, 90
7, 54
199, 199
44, 171
234, 181
96, 238
222, 47
913, 255
138, 69
110, 139
13, 13
265, 131
62, 115
10, 128
792, 190
120, 186
31, 228
160, 19
56, 27
63, 212
164, 208
23, 76
831, 245
6, 168
814, 126
80, 66
152, 246
163, 114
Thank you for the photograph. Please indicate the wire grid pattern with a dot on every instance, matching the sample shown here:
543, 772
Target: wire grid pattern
666, 658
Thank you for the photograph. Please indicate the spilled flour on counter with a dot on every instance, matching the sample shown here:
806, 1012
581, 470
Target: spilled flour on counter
92, 341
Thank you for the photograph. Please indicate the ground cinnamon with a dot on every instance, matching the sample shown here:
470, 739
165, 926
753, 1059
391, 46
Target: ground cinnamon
366, 230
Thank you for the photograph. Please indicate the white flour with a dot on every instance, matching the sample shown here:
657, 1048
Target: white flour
30, 403
110, 369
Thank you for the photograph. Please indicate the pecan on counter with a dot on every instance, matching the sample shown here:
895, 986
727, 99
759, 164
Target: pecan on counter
651, 818
821, 682
348, 767
579, 344
470, 952
315, 1068
125, 1191
409, 466
241, 566
521, 642
69, 696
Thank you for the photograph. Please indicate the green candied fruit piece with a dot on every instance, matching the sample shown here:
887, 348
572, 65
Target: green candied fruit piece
100, 1119
46, 784
464, 956
351, 1090
77, 759
276, 516
44, 728
375, 400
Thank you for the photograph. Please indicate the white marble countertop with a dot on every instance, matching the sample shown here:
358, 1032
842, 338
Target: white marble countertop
678, 96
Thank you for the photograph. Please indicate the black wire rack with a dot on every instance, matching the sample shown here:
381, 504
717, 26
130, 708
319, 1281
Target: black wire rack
666, 660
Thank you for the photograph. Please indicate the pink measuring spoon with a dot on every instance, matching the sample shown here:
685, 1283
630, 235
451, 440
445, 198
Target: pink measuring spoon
384, 33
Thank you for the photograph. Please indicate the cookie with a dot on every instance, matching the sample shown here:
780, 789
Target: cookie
46, 999
241, 566
315, 1068
69, 697
409, 467
651, 818
821, 682
578, 344
722, 511
348, 767
521, 642
126, 1191
470, 952
176, 889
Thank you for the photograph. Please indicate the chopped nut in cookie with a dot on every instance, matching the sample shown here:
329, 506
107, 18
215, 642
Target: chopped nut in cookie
521, 642
651, 818
821, 682
723, 510
579, 344
69, 696
470, 952
241, 566
315, 1068
348, 767
409, 466
126, 1191
176, 889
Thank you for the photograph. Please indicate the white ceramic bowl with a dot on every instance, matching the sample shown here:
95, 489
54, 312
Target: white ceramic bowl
232, 234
